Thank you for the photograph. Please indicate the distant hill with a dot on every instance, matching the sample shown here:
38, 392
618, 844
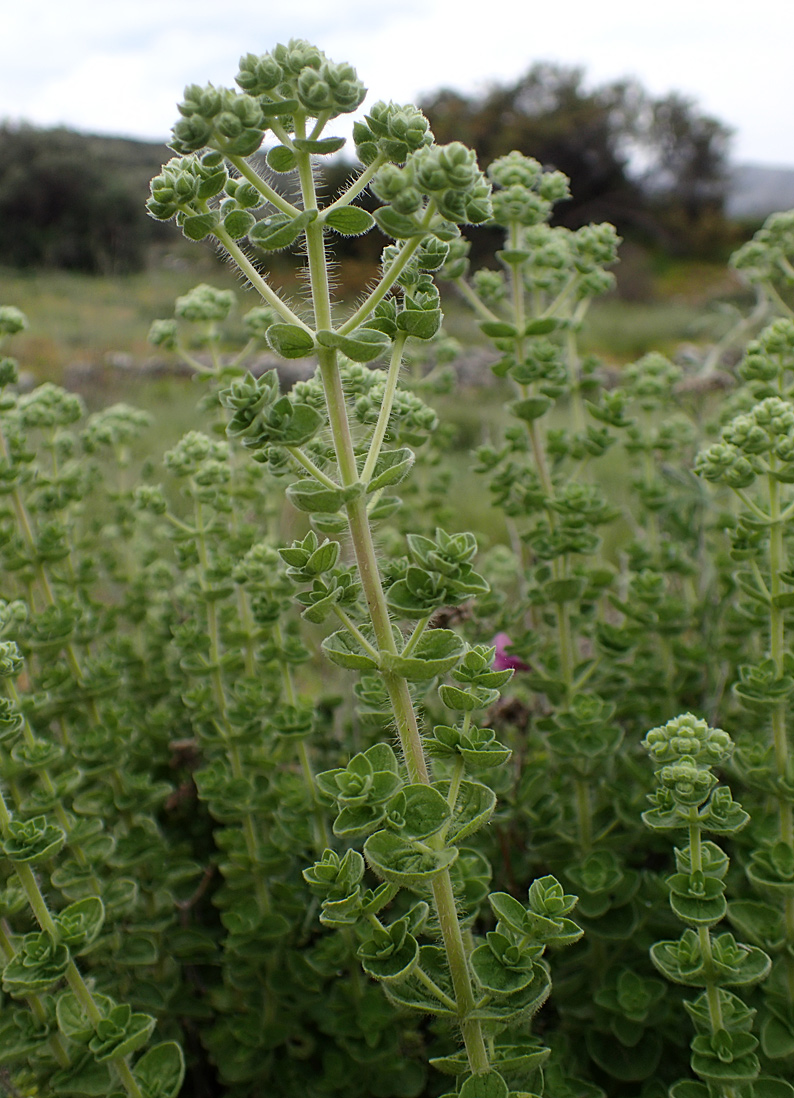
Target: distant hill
756, 191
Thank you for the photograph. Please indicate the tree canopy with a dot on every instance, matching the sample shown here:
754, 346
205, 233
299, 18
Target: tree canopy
74, 200
634, 160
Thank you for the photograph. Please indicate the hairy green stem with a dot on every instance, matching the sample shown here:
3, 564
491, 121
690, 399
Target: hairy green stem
256, 280
307, 463
369, 574
264, 188
381, 427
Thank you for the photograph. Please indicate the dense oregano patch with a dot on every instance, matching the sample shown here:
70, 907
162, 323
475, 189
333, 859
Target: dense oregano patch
337, 812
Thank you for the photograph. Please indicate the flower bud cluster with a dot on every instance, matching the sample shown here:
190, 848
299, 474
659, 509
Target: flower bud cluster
191, 453
114, 426
768, 256
12, 320
219, 118
767, 429
549, 260
768, 359
183, 183
525, 193
49, 406
301, 71
650, 380
446, 173
204, 303
392, 132
688, 735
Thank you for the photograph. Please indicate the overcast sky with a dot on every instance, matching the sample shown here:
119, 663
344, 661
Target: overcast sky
104, 66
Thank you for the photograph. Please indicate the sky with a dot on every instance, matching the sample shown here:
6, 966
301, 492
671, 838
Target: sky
103, 66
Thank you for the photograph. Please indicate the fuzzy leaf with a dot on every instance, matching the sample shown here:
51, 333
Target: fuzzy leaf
73, 1022
160, 1071
83, 1079
491, 1085
532, 408
436, 652
239, 223
413, 995
349, 220
290, 341
403, 862
281, 159
315, 498
343, 649
417, 811
391, 467
278, 231
80, 923
397, 225
474, 807
498, 329
521, 1005
777, 1038
494, 976
391, 964
199, 226
320, 146
362, 345
760, 923
419, 323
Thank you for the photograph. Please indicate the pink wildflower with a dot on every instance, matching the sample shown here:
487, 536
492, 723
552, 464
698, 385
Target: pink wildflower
502, 660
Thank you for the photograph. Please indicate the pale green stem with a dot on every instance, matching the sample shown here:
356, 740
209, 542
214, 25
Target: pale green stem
369, 574
539, 455
356, 632
649, 469
518, 285
358, 185
471, 1028
434, 989
751, 504
785, 266
307, 463
577, 408
45, 920
241, 357
37, 1007
256, 180
561, 297
61, 814
566, 646
256, 280
777, 565
704, 934
382, 426
413, 640
315, 246
585, 675
390, 276
475, 300
736, 334
454, 783
781, 304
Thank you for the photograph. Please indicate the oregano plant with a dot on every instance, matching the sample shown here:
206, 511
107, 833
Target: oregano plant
304, 789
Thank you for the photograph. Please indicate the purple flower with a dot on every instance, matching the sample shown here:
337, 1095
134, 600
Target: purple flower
502, 660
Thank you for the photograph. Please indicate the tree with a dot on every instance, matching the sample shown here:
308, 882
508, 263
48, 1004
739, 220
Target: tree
75, 201
631, 159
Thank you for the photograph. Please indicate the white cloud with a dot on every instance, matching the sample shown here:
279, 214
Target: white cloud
121, 67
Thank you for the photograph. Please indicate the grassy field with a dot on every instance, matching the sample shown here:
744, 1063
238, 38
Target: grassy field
78, 319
